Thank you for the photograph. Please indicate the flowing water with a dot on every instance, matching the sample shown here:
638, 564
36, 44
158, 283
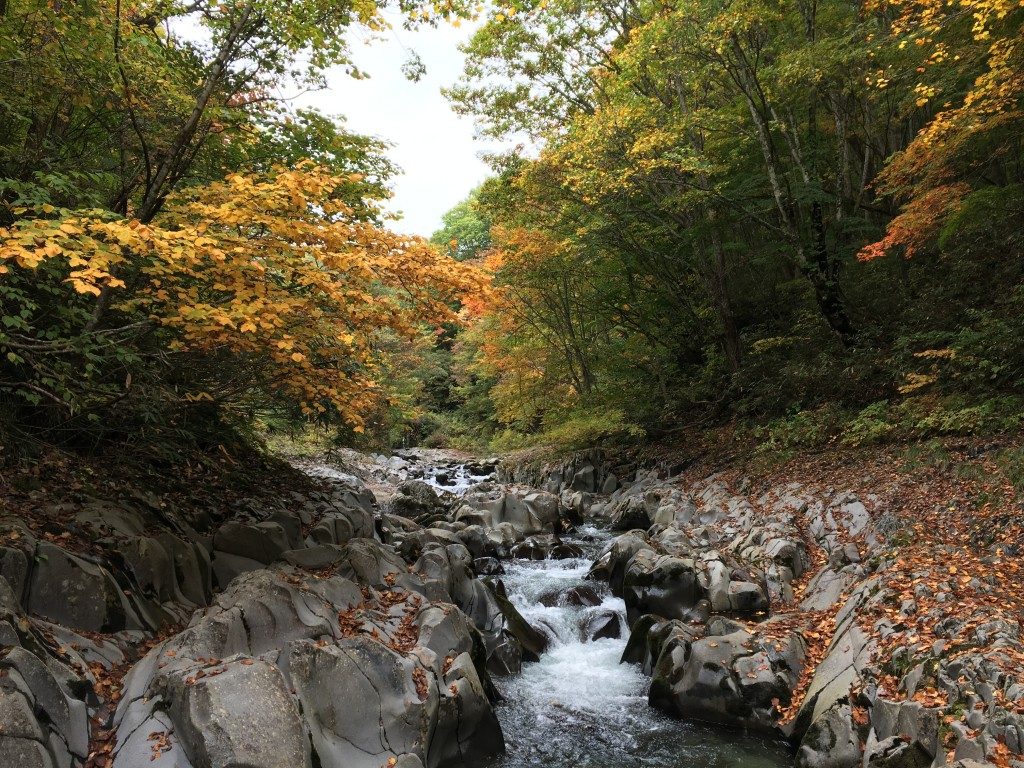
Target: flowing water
578, 707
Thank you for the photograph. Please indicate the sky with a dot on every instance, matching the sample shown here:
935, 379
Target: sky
434, 147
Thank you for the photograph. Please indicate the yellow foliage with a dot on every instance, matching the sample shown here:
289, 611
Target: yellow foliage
272, 269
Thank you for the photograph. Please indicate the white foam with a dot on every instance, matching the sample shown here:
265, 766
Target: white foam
578, 707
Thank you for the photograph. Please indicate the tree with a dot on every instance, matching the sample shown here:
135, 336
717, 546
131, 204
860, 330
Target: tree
466, 231
173, 235
257, 289
705, 178
971, 68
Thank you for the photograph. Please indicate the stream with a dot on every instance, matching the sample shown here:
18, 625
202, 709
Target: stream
578, 707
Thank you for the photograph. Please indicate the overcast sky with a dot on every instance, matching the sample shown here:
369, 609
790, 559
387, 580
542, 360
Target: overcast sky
433, 146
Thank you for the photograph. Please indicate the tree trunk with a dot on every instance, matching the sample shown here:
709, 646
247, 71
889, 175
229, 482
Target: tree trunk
173, 165
820, 270
823, 273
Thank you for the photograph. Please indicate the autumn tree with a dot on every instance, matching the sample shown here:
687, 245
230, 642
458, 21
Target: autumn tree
176, 239
254, 290
705, 177
969, 90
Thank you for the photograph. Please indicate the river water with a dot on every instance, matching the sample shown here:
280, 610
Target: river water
578, 707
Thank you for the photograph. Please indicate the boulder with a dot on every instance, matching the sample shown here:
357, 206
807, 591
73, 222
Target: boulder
628, 514
577, 597
263, 542
611, 566
367, 561
488, 566
40, 724
291, 669
530, 549
849, 653
533, 642
585, 479
564, 550
729, 594
527, 510
342, 526
650, 635
831, 741
364, 701
660, 584
418, 501
68, 590
242, 715
604, 624
898, 752
16, 554
729, 676
227, 567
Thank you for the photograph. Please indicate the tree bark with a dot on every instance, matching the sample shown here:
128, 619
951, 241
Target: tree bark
171, 167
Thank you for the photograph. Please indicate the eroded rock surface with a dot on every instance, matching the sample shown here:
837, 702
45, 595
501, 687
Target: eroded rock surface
328, 629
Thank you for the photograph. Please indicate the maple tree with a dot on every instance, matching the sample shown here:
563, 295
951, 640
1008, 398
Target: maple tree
271, 271
179, 246
971, 140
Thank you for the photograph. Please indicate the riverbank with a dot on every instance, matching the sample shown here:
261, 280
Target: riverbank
865, 607
868, 601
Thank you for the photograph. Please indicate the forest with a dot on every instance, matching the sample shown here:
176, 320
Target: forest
802, 219
799, 220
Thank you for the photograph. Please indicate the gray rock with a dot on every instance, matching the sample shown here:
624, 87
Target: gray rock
533, 643
263, 542
316, 558
227, 567
730, 678
139, 748
488, 566
65, 717
907, 720
660, 584
612, 565
585, 479
362, 701
369, 562
604, 624
343, 526
578, 597
630, 513
192, 569
418, 501
16, 555
365, 703
528, 511
24, 753
831, 741
242, 716
71, 591
848, 655
729, 595
897, 752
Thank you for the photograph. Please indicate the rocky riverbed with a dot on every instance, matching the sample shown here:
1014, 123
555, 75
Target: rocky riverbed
432, 609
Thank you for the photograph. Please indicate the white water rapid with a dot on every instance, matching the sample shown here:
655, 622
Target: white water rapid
578, 707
